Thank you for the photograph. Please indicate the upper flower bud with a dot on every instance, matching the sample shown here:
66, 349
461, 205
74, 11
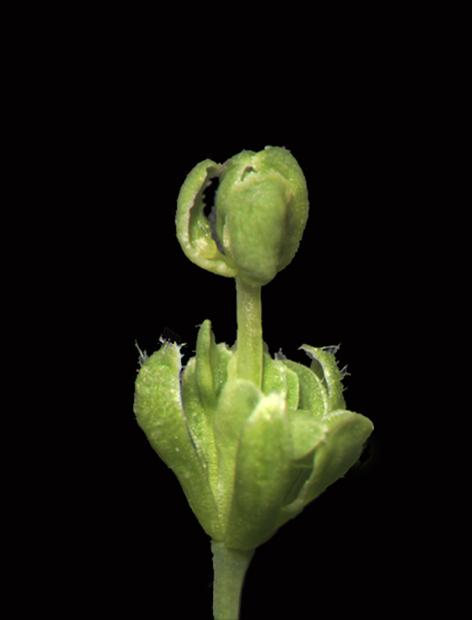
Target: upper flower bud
261, 212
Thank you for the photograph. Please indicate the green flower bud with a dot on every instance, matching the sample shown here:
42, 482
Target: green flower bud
261, 212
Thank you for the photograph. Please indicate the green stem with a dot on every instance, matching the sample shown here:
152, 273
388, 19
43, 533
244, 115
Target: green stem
249, 342
230, 566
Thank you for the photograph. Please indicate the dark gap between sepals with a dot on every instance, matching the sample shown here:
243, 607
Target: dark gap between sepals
209, 210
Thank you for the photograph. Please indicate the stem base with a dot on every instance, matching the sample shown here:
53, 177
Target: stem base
230, 566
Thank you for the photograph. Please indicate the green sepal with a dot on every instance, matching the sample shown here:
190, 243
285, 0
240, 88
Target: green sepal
202, 380
307, 433
211, 366
160, 414
313, 395
193, 228
200, 423
347, 432
325, 367
261, 212
293, 388
278, 377
263, 475
237, 401
273, 376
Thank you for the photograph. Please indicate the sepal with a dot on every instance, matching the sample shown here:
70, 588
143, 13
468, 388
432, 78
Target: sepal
203, 379
237, 401
313, 395
263, 474
278, 377
307, 433
160, 414
261, 212
336, 454
324, 366
347, 433
193, 228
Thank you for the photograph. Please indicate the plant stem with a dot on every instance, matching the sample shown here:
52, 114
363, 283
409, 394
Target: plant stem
230, 566
249, 341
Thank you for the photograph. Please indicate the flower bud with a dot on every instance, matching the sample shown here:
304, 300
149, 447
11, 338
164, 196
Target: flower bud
261, 212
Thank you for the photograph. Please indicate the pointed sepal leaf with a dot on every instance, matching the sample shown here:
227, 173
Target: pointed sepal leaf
160, 414
326, 369
347, 432
263, 474
313, 394
261, 212
278, 377
211, 367
237, 401
202, 381
306, 433
194, 230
